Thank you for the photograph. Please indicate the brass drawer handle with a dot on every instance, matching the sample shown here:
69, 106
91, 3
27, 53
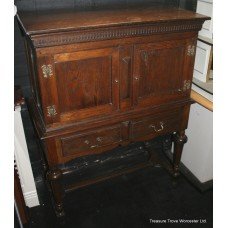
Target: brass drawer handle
99, 139
157, 130
94, 146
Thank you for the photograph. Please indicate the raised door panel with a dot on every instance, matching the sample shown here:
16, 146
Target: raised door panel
162, 72
84, 83
87, 83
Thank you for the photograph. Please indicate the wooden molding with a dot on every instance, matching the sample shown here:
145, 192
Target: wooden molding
45, 40
202, 100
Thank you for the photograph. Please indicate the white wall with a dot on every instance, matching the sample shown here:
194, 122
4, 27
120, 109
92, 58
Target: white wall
198, 151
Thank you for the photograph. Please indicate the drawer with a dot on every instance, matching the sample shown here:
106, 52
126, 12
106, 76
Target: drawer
91, 142
155, 125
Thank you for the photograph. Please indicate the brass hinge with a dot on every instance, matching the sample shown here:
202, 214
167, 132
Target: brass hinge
51, 111
47, 70
187, 85
191, 50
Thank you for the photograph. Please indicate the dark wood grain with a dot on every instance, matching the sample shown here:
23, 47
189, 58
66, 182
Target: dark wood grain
21, 72
87, 75
106, 78
154, 125
126, 64
90, 142
158, 72
45, 22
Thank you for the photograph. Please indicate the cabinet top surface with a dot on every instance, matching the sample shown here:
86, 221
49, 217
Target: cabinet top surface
67, 20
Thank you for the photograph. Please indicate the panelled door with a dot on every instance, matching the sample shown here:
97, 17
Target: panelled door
162, 71
83, 84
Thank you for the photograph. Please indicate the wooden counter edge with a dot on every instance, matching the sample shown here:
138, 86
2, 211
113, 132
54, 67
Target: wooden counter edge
202, 100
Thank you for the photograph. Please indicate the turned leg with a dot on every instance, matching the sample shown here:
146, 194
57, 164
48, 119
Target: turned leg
54, 177
179, 140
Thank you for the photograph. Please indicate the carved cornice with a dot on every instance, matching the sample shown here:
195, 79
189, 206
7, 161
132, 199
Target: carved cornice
99, 34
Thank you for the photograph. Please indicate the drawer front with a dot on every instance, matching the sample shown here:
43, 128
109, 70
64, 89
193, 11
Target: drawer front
155, 125
92, 142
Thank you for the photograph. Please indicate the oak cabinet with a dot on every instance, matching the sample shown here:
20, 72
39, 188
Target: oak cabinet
116, 77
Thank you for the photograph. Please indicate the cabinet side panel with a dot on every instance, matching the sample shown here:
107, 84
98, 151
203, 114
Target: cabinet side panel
34, 83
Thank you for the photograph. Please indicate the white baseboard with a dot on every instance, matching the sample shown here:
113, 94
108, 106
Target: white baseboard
31, 199
22, 162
